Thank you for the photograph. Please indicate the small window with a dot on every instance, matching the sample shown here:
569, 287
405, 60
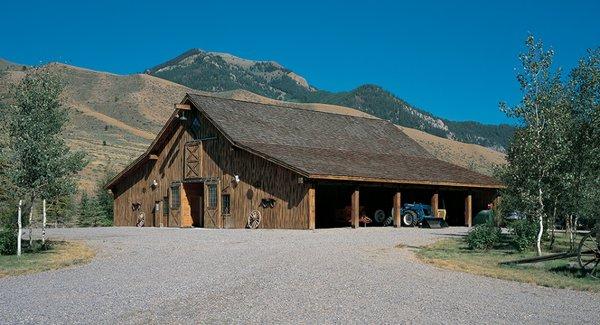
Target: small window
175, 196
166, 205
225, 204
196, 128
212, 196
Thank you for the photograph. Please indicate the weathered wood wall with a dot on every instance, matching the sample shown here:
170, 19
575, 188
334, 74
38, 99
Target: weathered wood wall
220, 162
259, 179
136, 187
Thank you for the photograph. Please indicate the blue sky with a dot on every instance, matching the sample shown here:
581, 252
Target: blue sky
455, 59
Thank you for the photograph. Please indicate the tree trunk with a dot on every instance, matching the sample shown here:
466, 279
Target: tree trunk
20, 226
541, 222
30, 226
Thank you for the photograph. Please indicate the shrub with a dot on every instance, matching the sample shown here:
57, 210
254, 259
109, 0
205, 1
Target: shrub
483, 236
522, 234
8, 241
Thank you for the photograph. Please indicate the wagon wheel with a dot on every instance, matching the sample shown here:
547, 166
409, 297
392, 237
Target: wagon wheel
379, 216
254, 219
588, 255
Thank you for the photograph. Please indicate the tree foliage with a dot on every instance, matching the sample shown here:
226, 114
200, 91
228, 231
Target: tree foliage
552, 170
41, 163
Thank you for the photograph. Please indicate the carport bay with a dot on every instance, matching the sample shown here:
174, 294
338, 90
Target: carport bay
339, 204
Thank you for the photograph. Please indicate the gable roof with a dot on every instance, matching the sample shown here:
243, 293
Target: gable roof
323, 145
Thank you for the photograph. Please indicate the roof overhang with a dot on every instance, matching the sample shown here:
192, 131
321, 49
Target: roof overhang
403, 182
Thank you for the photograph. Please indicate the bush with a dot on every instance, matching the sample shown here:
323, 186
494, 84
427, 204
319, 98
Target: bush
483, 236
523, 234
8, 241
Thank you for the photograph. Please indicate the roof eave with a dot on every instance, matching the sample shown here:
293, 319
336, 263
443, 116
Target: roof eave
401, 181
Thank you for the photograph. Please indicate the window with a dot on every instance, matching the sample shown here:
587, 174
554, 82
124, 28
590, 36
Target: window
212, 196
166, 205
225, 204
175, 196
196, 128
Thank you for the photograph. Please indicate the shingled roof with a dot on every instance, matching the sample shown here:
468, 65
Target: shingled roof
323, 145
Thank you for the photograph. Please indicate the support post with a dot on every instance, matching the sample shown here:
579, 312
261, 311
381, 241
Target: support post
20, 226
355, 211
469, 210
44, 222
397, 206
311, 207
434, 204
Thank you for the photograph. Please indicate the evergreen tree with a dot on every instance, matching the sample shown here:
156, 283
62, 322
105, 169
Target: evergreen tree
104, 199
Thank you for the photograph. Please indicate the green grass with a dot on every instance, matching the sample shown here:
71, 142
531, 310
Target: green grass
58, 255
455, 255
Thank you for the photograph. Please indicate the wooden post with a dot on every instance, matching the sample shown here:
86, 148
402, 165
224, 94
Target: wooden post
434, 204
355, 211
30, 225
468, 210
44, 222
20, 226
397, 207
311, 207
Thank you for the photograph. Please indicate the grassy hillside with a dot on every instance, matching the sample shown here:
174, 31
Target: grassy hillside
114, 118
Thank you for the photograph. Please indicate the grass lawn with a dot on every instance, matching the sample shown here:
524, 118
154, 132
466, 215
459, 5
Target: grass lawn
455, 255
59, 255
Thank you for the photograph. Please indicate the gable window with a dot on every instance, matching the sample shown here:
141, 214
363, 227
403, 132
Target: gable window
212, 196
225, 204
196, 127
175, 196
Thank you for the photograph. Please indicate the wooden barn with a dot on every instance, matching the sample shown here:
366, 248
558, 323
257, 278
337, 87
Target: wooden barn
217, 161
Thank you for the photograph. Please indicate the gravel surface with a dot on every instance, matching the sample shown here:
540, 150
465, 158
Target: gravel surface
168, 275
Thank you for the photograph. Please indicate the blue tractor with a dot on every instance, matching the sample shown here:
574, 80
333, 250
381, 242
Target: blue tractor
417, 214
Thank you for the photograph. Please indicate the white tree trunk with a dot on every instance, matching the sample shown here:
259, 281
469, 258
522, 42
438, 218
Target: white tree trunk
20, 226
541, 221
44, 222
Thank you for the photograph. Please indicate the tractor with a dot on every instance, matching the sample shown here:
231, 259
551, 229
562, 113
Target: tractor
417, 214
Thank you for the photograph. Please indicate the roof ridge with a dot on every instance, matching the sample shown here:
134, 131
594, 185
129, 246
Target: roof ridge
374, 118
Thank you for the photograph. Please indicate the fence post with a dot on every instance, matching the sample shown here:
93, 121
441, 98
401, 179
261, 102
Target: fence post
20, 226
44, 222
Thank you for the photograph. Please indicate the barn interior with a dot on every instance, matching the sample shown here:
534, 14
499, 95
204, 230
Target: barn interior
333, 203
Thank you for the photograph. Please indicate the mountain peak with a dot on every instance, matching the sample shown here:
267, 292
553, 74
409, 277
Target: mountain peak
224, 71
218, 72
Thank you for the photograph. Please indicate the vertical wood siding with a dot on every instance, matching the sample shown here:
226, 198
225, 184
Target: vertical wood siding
220, 162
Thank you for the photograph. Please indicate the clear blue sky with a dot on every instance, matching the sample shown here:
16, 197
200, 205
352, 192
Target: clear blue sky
455, 59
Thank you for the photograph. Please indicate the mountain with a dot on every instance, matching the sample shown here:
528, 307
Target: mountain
217, 72
113, 118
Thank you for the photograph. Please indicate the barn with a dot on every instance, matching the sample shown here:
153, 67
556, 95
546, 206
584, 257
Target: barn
216, 162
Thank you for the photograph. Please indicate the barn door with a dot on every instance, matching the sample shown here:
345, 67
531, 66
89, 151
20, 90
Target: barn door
212, 205
193, 160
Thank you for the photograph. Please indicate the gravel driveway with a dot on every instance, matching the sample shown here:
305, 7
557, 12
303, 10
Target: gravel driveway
168, 275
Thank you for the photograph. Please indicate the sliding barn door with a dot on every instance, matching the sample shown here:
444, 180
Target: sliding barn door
193, 160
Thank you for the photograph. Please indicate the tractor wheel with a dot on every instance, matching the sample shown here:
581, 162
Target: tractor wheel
388, 221
379, 217
409, 219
